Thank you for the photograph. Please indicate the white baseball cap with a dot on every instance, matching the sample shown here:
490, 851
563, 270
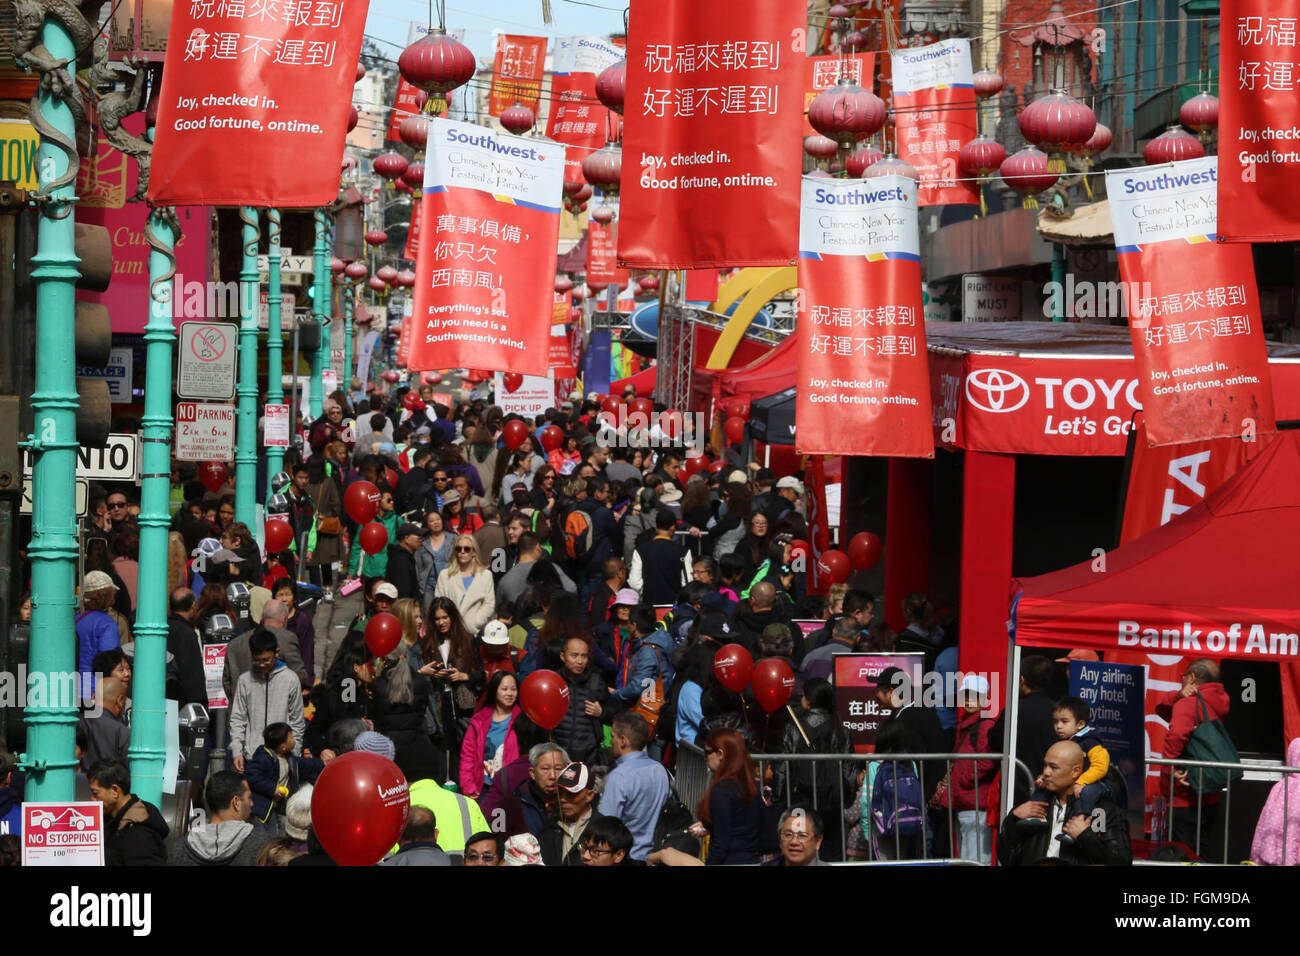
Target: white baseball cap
496, 634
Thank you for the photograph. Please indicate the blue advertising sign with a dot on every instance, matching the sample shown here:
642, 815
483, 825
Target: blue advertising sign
1116, 694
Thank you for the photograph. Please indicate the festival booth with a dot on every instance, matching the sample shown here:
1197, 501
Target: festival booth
1217, 581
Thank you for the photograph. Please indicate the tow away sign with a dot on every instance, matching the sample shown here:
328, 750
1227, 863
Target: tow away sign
118, 460
63, 834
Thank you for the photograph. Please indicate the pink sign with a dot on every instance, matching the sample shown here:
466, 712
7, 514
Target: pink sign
105, 185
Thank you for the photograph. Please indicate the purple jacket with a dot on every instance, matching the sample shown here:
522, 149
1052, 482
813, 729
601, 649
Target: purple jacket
495, 797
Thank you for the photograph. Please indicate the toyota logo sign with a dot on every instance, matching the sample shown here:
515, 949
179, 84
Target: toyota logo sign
995, 390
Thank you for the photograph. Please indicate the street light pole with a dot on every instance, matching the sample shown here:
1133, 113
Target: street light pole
349, 304
274, 337
51, 719
320, 307
246, 415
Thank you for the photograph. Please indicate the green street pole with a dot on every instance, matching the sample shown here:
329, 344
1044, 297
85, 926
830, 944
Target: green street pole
274, 337
1058, 278
246, 392
349, 305
51, 714
320, 310
147, 753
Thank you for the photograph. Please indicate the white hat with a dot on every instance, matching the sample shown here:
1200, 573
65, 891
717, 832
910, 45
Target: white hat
737, 476
974, 683
496, 634
97, 581
790, 481
384, 589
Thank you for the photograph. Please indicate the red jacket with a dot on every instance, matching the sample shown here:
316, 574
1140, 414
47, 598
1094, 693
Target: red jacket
967, 775
1181, 713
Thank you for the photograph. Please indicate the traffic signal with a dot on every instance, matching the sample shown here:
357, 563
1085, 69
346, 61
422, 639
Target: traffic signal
94, 335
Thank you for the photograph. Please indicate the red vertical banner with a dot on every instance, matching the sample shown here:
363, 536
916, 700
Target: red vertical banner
404, 340
934, 110
712, 141
412, 249
517, 73
1193, 306
255, 101
486, 268
602, 256
406, 102
819, 525
823, 72
1259, 120
863, 378
576, 117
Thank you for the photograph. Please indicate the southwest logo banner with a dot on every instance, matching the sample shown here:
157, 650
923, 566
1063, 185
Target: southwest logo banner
711, 145
517, 73
255, 101
485, 272
863, 379
1192, 304
1259, 121
934, 109
577, 117
823, 72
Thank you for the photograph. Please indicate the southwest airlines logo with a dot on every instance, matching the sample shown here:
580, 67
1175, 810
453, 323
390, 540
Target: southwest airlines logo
994, 390
489, 142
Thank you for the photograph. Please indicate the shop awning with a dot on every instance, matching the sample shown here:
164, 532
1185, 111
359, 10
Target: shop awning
1088, 226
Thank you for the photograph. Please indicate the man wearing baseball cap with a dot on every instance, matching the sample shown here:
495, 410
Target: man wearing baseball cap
401, 561
562, 837
496, 651
789, 495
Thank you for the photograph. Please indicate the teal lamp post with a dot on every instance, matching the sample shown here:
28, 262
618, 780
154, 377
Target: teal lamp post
320, 309
246, 391
51, 714
274, 336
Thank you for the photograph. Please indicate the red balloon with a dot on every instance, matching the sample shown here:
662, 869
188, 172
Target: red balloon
279, 535
551, 437
800, 548
609, 404
695, 465
734, 429
773, 683
719, 465
383, 631
391, 477
670, 423
734, 666
512, 381
373, 538
359, 808
864, 550
737, 408
213, 475
545, 698
643, 406
514, 433
836, 566
361, 501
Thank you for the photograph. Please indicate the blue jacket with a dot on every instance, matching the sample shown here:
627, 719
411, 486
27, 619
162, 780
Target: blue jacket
262, 771
96, 632
646, 665
11, 813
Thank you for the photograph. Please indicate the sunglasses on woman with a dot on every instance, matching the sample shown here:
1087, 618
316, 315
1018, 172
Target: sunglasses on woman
465, 550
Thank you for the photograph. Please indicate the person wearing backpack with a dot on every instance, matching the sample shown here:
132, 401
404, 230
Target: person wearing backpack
1195, 712
589, 533
894, 814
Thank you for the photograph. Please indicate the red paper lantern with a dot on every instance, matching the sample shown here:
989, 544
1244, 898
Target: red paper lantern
213, 475
278, 534
515, 433
337, 265
1097, 143
359, 808
437, 63
855, 40
581, 194
773, 683
734, 666
414, 176
1171, 146
865, 550
1200, 113
820, 147
383, 631
392, 377
862, 158
603, 215
1058, 123
891, 165
361, 501
406, 278
981, 157
987, 83
649, 283
835, 565
386, 273
414, 131
373, 538
390, 165
517, 119
432, 378
611, 86
1025, 171
378, 284
376, 237
603, 169
563, 284
353, 118
734, 429
544, 697
355, 271
846, 112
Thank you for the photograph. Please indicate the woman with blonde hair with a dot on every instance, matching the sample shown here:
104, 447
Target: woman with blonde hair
468, 585
177, 558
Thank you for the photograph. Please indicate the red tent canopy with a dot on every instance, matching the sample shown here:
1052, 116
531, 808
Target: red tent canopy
772, 372
644, 381
1217, 581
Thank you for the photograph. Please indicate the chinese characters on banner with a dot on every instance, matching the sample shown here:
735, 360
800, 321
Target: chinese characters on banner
602, 259
561, 361
517, 73
255, 103
711, 146
1259, 127
406, 103
405, 334
486, 270
577, 117
1193, 306
863, 380
823, 72
412, 249
934, 109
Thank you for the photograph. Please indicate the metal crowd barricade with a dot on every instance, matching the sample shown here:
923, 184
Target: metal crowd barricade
693, 779
1197, 768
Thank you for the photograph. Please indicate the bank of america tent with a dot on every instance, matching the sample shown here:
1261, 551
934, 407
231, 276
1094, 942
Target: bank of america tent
1221, 580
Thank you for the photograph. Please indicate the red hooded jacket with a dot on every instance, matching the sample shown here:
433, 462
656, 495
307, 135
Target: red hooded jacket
1181, 713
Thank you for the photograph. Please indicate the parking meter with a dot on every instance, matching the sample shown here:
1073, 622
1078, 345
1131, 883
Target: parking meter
237, 594
194, 727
